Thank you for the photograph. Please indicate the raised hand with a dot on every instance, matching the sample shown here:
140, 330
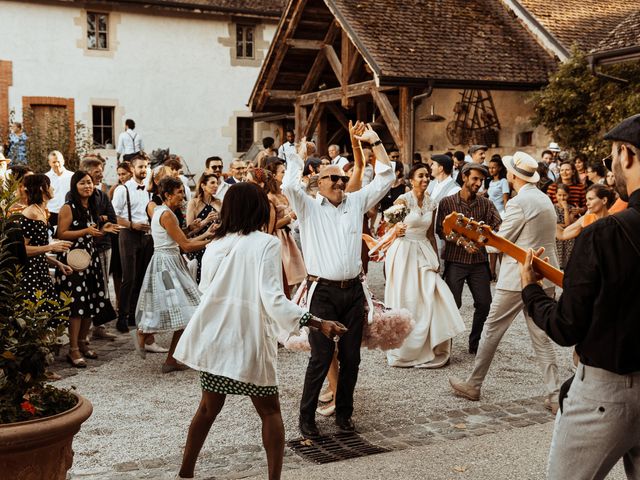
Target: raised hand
368, 135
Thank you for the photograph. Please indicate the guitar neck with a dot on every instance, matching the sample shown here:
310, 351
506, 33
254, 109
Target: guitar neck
540, 266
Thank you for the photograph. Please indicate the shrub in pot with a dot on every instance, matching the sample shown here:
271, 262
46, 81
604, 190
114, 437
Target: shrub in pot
37, 421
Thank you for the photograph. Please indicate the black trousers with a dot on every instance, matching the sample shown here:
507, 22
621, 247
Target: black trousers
346, 306
478, 277
136, 250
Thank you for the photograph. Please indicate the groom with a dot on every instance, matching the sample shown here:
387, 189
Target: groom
331, 236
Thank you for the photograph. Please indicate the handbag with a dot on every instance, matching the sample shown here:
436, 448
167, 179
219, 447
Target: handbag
78, 259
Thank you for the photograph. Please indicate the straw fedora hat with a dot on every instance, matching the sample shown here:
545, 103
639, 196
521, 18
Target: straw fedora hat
523, 166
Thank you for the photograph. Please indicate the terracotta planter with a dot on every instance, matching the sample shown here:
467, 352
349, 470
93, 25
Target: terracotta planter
41, 449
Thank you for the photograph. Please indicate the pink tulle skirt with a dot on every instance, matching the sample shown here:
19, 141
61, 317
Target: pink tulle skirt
388, 330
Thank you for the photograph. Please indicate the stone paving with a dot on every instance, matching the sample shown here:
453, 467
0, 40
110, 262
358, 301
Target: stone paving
397, 433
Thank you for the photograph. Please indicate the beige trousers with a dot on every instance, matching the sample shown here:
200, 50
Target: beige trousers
505, 307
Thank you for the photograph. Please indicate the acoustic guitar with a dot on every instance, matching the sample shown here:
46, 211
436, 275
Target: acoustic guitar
466, 232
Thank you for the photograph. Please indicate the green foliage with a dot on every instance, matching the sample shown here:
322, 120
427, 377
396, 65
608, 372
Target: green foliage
28, 332
54, 133
577, 107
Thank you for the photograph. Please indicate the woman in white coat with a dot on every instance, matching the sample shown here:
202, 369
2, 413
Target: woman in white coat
232, 336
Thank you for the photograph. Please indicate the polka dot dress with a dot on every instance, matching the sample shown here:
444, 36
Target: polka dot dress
228, 386
35, 274
86, 287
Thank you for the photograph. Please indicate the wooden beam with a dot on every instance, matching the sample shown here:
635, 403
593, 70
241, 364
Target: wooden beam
335, 94
312, 119
280, 53
334, 61
345, 60
389, 116
304, 44
406, 154
283, 94
311, 82
300, 119
341, 117
321, 143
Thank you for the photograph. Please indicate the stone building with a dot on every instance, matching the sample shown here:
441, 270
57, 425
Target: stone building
182, 69
435, 76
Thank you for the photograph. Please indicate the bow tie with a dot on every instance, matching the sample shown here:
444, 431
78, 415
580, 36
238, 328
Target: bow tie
140, 187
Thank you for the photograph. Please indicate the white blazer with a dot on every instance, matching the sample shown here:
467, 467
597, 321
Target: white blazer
234, 330
529, 222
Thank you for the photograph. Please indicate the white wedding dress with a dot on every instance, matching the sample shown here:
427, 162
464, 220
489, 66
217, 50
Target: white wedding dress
413, 282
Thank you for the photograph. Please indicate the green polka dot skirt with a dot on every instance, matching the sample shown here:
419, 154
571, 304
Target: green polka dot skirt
228, 386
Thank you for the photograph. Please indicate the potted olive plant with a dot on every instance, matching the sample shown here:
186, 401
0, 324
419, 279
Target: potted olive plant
37, 421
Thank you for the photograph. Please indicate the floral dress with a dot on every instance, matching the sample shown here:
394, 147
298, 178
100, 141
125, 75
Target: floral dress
563, 247
35, 275
87, 287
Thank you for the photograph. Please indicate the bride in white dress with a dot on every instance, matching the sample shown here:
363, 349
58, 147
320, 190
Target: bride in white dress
413, 282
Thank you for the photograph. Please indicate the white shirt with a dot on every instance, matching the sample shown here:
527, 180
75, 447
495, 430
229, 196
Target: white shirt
129, 142
139, 199
331, 236
222, 190
61, 185
187, 190
286, 149
340, 161
367, 176
437, 190
242, 312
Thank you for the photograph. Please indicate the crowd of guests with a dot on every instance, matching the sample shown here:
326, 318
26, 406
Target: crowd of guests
150, 234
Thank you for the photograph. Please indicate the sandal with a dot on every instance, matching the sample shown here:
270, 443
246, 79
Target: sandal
86, 351
76, 362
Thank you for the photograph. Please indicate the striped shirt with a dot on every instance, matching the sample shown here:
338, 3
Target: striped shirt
577, 194
481, 209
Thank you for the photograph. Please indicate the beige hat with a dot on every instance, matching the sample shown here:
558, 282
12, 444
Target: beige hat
523, 166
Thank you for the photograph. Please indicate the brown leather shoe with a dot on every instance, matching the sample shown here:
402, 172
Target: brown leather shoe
102, 334
464, 390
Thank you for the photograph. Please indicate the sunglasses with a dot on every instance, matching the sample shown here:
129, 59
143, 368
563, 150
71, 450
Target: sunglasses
335, 178
607, 161
216, 167
394, 157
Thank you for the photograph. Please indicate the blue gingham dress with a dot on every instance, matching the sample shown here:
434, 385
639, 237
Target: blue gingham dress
169, 295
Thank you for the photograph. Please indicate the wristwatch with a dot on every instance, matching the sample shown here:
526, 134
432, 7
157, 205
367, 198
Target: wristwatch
376, 143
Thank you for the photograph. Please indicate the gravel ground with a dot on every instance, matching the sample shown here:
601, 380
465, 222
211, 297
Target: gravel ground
139, 413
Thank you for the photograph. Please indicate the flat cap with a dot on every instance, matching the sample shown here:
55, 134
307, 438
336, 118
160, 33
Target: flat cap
474, 166
627, 131
474, 148
444, 160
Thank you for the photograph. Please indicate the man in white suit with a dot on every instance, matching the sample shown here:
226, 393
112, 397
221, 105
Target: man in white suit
530, 222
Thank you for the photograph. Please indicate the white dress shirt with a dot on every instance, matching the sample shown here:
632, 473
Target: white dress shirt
286, 150
331, 236
129, 142
340, 161
61, 185
222, 190
437, 190
139, 199
243, 311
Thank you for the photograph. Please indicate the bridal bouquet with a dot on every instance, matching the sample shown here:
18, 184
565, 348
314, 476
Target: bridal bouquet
396, 214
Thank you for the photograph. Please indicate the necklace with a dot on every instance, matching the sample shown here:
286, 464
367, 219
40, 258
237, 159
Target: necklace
44, 212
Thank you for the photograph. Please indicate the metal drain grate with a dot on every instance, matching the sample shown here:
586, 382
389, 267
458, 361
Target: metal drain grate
339, 447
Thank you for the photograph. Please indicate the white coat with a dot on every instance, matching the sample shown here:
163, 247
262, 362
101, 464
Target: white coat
234, 331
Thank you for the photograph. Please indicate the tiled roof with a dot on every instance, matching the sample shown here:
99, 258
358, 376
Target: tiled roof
452, 40
584, 23
269, 8
626, 34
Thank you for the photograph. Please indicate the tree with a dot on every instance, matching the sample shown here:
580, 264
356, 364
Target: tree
577, 107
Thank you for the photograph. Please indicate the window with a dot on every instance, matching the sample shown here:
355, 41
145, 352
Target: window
524, 139
244, 41
244, 133
103, 126
97, 31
